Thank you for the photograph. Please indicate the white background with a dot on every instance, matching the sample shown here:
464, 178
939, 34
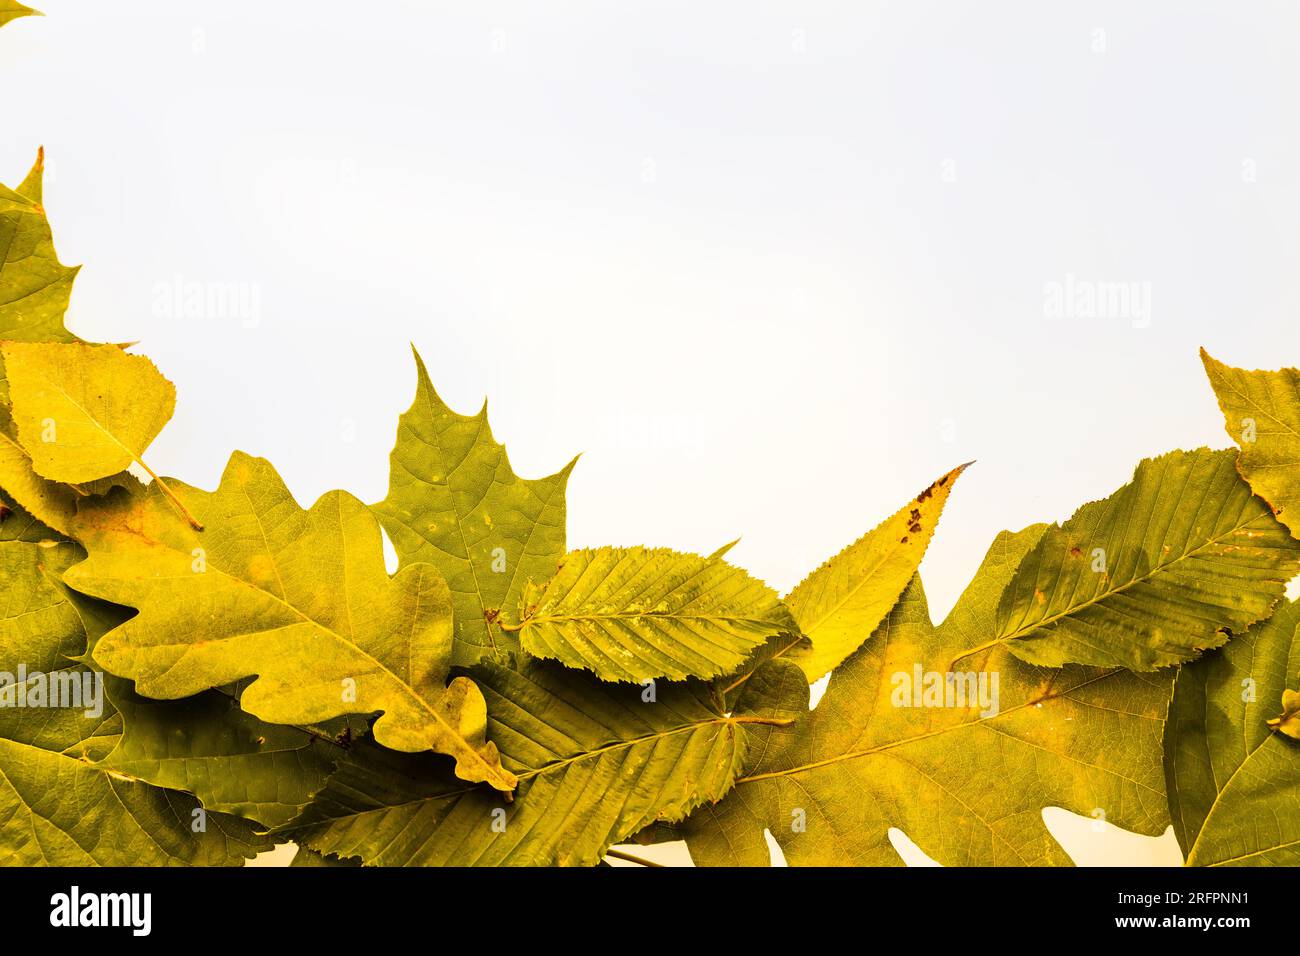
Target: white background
772, 267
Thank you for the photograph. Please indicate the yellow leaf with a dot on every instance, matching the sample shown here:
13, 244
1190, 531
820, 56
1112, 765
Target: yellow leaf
85, 411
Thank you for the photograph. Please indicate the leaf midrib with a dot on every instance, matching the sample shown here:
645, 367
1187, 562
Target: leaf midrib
547, 768
402, 685
894, 744
1141, 579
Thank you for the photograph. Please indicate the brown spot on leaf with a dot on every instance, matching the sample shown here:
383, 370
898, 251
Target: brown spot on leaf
1076, 552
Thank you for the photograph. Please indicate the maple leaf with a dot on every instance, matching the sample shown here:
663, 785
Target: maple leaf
299, 598
963, 765
1233, 769
1175, 562
633, 614
454, 502
34, 286
58, 806
596, 763
34, 291
1261, 411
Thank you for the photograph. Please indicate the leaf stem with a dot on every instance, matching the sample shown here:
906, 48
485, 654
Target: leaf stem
171, 495
630, 858
975, 650
768, 721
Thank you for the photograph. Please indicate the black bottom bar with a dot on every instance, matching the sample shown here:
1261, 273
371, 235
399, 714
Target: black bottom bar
227, 907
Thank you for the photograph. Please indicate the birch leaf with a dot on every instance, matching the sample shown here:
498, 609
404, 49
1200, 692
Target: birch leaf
57, 806
633, 614
596, 763
1234, 782
85, 412
1261, 412
454, 502
299, 598
966, 779
1173, 563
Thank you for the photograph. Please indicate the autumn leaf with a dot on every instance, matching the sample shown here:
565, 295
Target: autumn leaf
209, 746
963, 765
596, 763
34, 286
58, 806
299, 598
12, 10
1173, 563
1288, 722
85, 412
1234, 780
840, 604
633, 614
1261, 412
454, 502
17, 524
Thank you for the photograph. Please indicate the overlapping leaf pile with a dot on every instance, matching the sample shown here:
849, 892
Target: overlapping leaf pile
500, 700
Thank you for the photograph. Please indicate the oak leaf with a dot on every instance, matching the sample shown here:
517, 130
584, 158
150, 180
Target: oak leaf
299, 598
59, 804
963, 764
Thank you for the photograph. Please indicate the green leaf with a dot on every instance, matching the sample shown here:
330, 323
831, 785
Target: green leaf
1261, 412
596, 763
965, 779
454, 502
233, 762
1173, 563
299, 598
40, 627
632, 614
57, 806
1234, 784
840, 604
12, 10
